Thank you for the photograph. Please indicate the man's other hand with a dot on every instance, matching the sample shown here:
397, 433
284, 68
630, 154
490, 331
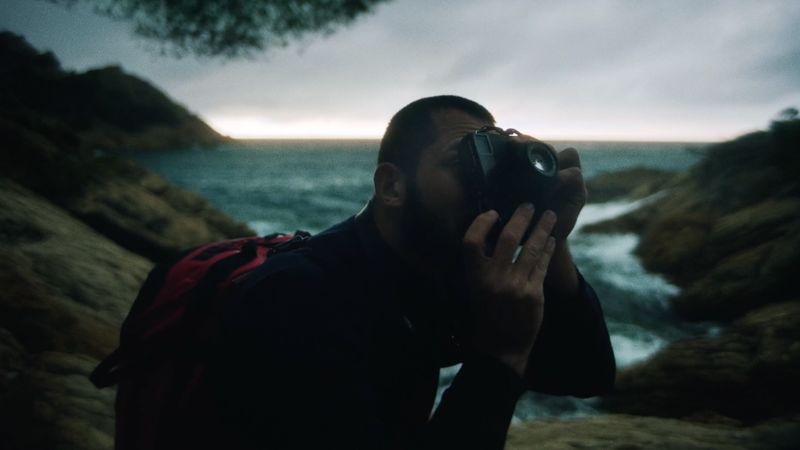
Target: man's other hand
506, 295
570, 195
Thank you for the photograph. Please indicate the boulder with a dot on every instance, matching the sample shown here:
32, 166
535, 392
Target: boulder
79, 233
748, 373
625, 432
65, 287
727, 230
144, 213
105, 107
744, 281
127, 203
12, 359
66, 290
51, 404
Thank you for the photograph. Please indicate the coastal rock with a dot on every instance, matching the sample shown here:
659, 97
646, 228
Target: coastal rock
65, 292
65, 287
728, 263
142, 212
726, 230
625, 432
79, 233
51, 404
127, 203
748, 373
12, 359
743, 281
106, 107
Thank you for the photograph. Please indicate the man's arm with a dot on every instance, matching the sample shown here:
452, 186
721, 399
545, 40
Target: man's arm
477, 408
573, 353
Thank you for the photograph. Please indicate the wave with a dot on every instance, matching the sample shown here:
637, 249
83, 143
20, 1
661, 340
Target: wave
630, 350
598, 212
612, 259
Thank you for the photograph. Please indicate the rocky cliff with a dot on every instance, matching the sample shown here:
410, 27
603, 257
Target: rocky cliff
78, 235
105, 107
728, 233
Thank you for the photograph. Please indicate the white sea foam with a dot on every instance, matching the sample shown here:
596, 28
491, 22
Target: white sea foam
629, 350
609, 259
598, 212
613, 257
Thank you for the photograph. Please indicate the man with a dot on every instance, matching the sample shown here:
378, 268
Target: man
338, 344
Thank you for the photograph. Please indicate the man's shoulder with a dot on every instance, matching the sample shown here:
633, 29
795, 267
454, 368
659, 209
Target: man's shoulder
318, 260
282, 268
319, 273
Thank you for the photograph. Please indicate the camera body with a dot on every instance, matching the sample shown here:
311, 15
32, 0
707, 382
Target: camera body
502, 172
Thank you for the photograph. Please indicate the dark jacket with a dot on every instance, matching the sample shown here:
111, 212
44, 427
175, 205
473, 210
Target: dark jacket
339, 345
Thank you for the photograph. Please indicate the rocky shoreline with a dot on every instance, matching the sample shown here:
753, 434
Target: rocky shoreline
727, 232
80, 232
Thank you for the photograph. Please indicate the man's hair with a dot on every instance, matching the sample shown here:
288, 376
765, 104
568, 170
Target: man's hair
412, 129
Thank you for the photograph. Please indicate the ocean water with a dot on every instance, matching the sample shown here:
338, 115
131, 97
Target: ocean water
287, 185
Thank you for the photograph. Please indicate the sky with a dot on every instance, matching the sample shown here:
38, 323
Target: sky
674, 70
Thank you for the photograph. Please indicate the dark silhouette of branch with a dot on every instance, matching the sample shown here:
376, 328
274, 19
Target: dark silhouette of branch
228, 28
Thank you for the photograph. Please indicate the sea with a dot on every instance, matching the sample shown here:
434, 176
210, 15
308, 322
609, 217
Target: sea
288, 185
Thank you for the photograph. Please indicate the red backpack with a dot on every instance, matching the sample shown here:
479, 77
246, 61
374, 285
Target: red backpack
163, 398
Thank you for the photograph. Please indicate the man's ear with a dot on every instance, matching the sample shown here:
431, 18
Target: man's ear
390, 185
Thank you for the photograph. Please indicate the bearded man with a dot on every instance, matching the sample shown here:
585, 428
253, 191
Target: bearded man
338, 344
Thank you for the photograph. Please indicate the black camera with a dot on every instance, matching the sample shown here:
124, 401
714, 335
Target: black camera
502, 173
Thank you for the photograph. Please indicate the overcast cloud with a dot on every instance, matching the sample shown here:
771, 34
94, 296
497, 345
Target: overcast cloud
666, 70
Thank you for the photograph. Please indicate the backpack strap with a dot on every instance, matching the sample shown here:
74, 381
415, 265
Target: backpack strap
300, 239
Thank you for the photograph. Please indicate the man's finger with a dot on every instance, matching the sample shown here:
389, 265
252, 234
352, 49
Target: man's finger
570, 177
534, 247
540, 268
475, 237
569, 158
512, 233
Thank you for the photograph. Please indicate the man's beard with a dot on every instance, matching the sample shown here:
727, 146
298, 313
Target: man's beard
428, 235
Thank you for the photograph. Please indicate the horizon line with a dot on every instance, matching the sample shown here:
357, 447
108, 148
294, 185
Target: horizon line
356, 138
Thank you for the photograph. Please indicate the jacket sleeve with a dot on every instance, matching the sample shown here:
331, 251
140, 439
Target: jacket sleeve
477, 408
292, 371
572, 354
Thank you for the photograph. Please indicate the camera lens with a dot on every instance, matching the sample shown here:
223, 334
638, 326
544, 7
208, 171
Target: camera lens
541, 158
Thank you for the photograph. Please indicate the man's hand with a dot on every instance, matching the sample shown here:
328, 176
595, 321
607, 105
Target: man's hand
570, 195
569, 198
507, 298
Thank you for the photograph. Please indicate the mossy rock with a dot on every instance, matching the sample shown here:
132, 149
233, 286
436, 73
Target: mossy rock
748, 373
625, 432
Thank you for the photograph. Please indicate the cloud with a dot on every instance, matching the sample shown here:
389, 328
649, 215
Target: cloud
704, 70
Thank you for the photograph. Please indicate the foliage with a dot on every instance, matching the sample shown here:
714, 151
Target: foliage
228, 28
790, 113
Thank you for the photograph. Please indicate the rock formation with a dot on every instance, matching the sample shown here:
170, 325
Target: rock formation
728, 233
627, 432
107, 108
78, 234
